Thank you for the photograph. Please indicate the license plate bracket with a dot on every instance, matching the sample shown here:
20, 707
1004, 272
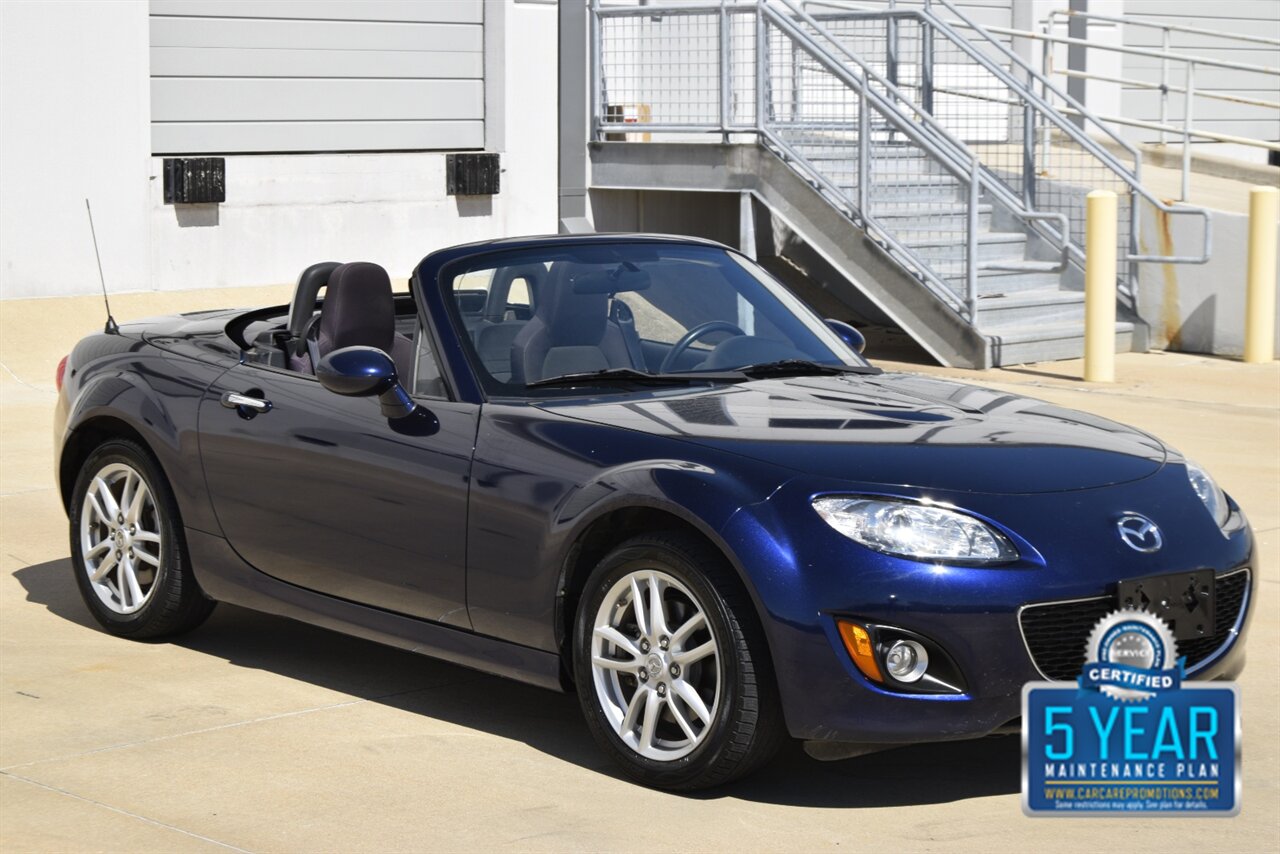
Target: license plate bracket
1185, 600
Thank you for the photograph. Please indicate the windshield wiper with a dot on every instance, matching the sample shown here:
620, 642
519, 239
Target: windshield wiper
625, 376
801, 368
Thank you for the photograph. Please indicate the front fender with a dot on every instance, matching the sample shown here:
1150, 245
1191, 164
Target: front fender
541, 482
700, 496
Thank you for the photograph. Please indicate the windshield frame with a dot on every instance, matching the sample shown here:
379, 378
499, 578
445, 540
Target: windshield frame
552, 249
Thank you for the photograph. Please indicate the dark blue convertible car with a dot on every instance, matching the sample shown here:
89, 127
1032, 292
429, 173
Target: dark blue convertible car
639, 468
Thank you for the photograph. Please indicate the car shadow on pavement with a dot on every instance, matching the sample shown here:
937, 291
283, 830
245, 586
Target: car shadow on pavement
547, 721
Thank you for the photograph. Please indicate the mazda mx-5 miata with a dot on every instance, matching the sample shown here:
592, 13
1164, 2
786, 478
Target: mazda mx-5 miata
638, 468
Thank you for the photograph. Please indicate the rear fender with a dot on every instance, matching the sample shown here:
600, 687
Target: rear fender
155, 397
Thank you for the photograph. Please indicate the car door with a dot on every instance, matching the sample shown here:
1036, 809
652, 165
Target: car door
322, 491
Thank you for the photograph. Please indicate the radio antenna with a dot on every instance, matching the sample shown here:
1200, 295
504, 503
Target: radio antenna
111, 328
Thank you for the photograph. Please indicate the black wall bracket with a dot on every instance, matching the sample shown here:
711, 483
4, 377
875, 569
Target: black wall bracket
195, 180
472, 173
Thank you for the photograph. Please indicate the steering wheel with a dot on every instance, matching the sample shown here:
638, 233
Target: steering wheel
677, 349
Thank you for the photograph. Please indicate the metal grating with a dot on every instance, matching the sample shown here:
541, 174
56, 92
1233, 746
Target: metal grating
1056, 633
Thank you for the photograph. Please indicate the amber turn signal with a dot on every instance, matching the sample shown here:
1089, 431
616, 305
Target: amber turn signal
858, 642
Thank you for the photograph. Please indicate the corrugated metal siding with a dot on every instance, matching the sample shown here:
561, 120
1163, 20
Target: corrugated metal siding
316, 75
1246, 17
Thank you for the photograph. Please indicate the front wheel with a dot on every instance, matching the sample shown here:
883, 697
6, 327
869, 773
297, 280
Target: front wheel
671, 665
127, 548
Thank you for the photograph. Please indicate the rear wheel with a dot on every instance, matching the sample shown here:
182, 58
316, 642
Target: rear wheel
671, 665
127, 550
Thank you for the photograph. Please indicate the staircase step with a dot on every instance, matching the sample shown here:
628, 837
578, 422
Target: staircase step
905, 194
878, 152
1047, 342
944, 219
939, 188
1018, 266
996, 283
992, 246
1032, 307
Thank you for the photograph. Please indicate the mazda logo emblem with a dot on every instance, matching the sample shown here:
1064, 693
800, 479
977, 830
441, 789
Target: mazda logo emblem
1140, 533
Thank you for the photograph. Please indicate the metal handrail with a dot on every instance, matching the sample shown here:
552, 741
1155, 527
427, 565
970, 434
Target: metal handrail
1156, 25
918, 127
894, 111
1186, 131
967, 158
1054, 114
946, 158
1135, 51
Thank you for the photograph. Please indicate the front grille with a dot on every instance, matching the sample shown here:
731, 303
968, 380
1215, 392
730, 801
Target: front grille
1056, 633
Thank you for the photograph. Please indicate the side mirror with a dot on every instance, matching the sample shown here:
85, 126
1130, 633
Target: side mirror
364, 372
848, 334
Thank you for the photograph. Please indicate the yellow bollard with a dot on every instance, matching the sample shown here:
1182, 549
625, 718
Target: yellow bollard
1260, 298
1100, 287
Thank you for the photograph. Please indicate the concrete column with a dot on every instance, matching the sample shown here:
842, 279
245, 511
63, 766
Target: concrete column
1077, 55
574, 124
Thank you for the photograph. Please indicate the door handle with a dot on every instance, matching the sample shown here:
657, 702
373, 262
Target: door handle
245, 404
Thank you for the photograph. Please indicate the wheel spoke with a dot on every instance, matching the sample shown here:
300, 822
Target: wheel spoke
146, 537
98, 511
638, 605
101, 547
126, 491
689, 656
108, 500
154, 561
136, 502
690, 626
625, 665
691, 698
682, 721
131, 582
619, 640
657, 610
104, 568
633, 712
652, 707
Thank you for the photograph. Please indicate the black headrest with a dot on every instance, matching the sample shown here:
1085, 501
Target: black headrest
303, 305
359, 309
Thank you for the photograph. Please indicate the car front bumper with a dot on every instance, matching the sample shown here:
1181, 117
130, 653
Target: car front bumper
806, 580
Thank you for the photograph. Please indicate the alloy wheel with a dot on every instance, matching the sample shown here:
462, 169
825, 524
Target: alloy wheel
655, 665
120, 538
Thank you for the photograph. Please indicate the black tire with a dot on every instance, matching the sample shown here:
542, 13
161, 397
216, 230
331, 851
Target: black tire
747, 727
175, 603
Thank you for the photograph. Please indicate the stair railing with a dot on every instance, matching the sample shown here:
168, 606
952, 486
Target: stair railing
768, 69
1055, 160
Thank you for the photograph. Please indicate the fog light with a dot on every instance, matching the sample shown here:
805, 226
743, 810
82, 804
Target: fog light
906, 660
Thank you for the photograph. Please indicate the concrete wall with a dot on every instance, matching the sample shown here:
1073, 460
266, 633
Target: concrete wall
74, 122
1197, 309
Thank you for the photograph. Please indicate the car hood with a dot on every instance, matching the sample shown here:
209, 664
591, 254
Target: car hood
892, 429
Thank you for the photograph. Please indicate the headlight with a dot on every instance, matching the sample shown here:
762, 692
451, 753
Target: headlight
918, 531
1214, 499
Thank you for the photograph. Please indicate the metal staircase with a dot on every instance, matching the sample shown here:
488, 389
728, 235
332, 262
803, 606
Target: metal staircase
933, 148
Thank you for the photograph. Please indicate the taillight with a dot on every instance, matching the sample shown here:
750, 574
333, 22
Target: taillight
62, 369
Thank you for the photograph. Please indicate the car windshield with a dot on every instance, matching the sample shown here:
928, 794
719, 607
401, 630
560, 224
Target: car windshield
626, 314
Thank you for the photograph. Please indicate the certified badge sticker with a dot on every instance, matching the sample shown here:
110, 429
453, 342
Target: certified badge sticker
1131, 737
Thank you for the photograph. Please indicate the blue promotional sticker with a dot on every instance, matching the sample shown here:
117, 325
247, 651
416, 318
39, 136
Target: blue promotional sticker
1131, 737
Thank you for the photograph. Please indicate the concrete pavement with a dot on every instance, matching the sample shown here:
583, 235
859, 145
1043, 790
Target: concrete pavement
256, 733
